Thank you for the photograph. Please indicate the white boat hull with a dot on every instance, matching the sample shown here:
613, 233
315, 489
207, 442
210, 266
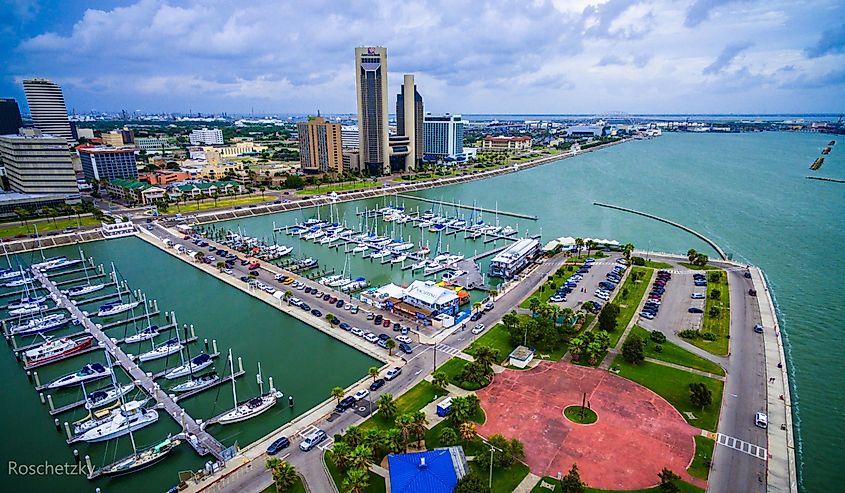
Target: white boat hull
244, 411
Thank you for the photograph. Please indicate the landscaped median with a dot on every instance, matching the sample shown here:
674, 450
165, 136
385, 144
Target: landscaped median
672, 353
628, 298
716, 322
683, 487
413, 400
46, 226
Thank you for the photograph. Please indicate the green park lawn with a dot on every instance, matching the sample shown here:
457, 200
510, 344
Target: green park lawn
720, 325
411, 401
673, 385
698, 267
453, 369
297, 487
376, 485
46, 226
205, 204
684, 487
700, 467
628, 298
505, 480
672, 353
496, 337
338, 187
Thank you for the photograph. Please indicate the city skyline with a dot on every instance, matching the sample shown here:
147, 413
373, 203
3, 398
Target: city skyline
702, 56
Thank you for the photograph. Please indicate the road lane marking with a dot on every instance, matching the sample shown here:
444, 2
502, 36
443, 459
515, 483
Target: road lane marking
742, 446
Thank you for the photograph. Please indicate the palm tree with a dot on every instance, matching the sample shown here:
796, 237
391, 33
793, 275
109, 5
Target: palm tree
356, 480
386, 405
590, 245
486, 357
440, 380
284, 474
390, 344
419, 423
220, 266
567, 313
393, 441
338, 393
404, 422
533, 303
360, 457
353, 436
627, 250
691, 254
373, 372
339, 453
579, 243
467, 430
262, 189
476, 306
23, 215
215, 196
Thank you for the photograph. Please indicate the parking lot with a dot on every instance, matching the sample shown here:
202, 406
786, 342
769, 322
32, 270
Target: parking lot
586, 287
676, 301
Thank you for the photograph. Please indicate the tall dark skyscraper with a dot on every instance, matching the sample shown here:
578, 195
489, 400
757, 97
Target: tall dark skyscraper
371, 91
10, 116
414, 131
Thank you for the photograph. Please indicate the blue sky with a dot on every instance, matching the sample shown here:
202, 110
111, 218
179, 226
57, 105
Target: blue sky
470, 56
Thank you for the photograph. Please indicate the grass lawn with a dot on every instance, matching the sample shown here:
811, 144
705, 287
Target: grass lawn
698, 267
7, 231
684, 488
628, 303
720, 325
574, 414
673, 385
700, 467
672, 353
297, 487
504, 480
496, 337
192, 206
584, 256
376, 482
413, 400
657, 265
453, 369
337, 187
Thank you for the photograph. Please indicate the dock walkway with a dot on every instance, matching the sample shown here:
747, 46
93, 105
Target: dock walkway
203, 442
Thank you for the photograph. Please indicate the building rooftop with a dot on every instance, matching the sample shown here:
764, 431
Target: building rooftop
521, 353
506, 138
432, 471
516, 250
131, 184
102, 149
429, 293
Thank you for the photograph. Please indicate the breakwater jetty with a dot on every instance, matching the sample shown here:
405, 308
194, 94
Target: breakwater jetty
671, 223
822, 178
469, 207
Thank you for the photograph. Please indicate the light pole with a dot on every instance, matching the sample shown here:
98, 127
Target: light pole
492, 448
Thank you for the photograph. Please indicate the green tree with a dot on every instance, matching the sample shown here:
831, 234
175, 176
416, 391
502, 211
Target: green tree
23, 215
667, 481
714, 311
486, 356
356, 480
360, 457
386, 406
448, 437
284, 474
608, 316
405, 423
633, 349
533, 303
511, 319
579, 243
571, 483
390, 344
701, 259
339, 453
221, 266
215, 196
393, 441
715, 294
471, 483
338, 393
700, 395
353, 436
373, 372
627, 250
440, 380
691, 255
419, 426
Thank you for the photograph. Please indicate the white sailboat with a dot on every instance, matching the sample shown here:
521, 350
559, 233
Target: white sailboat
251, 408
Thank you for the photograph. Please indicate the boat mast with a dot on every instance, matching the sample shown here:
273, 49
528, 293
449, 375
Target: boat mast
85, 265
260, 380
232, 367
6, 253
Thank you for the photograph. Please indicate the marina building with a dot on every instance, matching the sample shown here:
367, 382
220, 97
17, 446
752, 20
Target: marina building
207, 189
372, 98
320, 146
10, 116
580, 131
108, 163
425, 299
506, 143
443, 135
205, 136
134, 191
409, 122
47, 107
36, 162
510, 261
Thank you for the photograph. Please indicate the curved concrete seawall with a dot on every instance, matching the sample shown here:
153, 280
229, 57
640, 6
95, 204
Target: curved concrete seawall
671, 223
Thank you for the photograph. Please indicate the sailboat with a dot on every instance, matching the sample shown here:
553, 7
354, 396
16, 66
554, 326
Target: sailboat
87, 287
251, 408
198, 382
105, 396
111, 309
172, 346
40, 325
150, 332
200, 362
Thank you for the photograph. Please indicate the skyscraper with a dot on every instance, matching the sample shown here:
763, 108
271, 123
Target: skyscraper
411, 127
320, 146
373, 109
107, 163
10, 117
38, 163
47, 107
444, 135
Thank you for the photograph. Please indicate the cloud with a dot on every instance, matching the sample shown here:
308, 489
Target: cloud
729, 53
831, 42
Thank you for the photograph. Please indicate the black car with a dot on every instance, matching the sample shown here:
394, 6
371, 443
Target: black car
345, 404
278, 445
377, 384
747, 275
316, 313
327, 297
305, 307
244, 279
397, 327
345, 326
475, 316
377, 320
383, 337
406, 348
335, 321
693, 309
339, 304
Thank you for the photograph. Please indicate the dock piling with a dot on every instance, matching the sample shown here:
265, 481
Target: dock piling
193, 334
50, 401
290, 401
240, 364
76, 455
205, 341
90, 468
41, 398
58, 425
37, 380
67, 431
271, 383
213, 345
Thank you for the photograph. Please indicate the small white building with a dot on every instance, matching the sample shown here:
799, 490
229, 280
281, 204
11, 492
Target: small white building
520, 357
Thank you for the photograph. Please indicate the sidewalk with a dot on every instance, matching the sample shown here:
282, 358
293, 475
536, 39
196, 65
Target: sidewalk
782, 475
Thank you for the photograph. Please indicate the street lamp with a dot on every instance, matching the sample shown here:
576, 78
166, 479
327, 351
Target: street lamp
492, 448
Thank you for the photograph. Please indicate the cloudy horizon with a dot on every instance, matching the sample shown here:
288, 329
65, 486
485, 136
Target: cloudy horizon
543, 57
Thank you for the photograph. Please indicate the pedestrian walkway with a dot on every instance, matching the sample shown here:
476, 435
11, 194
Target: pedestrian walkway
742, 446
686, 368
527, 484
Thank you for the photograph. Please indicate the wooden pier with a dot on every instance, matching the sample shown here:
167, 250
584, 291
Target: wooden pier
197, 437
469, 207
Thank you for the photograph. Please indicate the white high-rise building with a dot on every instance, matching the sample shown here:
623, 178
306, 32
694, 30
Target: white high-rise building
349, 136
37, 163
205, 136
47, 107
443, 135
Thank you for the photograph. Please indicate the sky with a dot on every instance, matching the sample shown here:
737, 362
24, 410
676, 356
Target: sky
469, 56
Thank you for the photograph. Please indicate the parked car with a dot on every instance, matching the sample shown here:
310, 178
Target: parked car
694, 309
758, 329
278, 445
478, 329
361, 394
377, 320
392, 373
345, 326
761, 420
377, 384
312, 440
356, 331
316, 313
488, 306
475, 316
406, 348
697, 296
405, 339
370, 337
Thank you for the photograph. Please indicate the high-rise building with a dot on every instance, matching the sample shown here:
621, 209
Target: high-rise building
349, 136
205, 136
10, 116
320, 146
410, 127
47, 107
373, 109
36, 162
443, 135
107, 163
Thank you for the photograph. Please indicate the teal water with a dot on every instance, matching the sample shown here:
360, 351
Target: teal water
747, 192
304, 362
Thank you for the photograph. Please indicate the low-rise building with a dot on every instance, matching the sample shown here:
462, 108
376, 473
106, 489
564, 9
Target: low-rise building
429, 471
205, 136
151, 143
134, 191
207, 189
11, 201
510, 261
581, 131
506, 143
164, 177
425, 299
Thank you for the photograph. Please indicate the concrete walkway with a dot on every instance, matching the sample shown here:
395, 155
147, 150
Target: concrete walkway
686, 368
527, 484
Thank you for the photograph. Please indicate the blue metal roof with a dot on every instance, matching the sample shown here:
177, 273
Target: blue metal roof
431, 471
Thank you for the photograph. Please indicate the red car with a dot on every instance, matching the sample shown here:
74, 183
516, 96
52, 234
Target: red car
386, 323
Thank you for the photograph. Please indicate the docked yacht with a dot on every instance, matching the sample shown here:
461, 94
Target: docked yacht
360, 248
40, 324
315, 235
308, 263
402, 246
105, 396
197, 363
9, 274
398, 259
26, 300
18, 282
419, 265
381, 254
119, 425
84, 289
48, 262
359, 283
150, 332
61, 264
198, 382
52, 350
27, 309
329, 279
436, 228
283, 250
111, 309
339, 283
252, 407
162, 350
88, 373
117, 229
433, 267
508, 231
141, 459
98, 418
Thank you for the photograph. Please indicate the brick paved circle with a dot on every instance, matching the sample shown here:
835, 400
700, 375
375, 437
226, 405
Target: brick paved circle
638, 433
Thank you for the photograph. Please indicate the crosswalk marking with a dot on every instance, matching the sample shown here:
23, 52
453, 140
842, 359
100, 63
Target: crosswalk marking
742, 446
307, 431
327, 444
447, 349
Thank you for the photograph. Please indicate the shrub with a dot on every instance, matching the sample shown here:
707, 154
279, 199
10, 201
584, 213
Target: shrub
657, 336
658, 348
708, 336
689, 334
715, 276
638, 261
